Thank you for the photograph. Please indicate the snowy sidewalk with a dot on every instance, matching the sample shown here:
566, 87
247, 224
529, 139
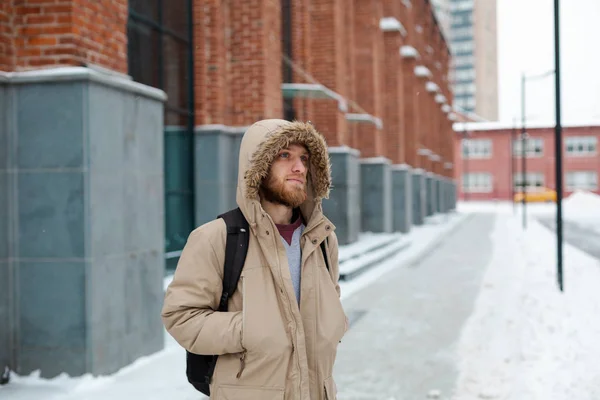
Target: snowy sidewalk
403, 345
526, 339
162, 375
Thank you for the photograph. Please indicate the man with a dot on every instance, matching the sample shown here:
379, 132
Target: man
279, 337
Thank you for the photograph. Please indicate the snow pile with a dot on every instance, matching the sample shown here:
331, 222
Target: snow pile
582, 199
526, 339
583, 209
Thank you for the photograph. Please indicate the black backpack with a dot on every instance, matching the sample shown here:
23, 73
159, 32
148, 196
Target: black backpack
200, 368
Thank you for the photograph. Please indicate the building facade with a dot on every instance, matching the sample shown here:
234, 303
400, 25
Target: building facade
120, 126
473, 37
489, 159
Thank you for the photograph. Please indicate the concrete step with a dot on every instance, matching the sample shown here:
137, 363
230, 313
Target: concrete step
359, 262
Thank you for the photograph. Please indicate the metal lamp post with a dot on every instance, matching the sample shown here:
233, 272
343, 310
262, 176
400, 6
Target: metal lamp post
558, 147
524, 138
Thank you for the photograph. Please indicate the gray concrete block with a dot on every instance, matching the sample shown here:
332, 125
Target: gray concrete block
51, 215
5, 313
401, 198
343, 206
376, 195
53, 361
441, 194
5, 114
50, 119
418, 197
6, 350
4, 215
216, 164
52, 313
107, 151
73, 226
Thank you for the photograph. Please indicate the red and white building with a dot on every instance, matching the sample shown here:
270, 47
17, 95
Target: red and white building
485, 169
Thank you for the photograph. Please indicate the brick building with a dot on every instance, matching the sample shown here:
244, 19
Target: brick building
485, 169
120, 124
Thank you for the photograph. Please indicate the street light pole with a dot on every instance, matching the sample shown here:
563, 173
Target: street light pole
523, 153
558, 147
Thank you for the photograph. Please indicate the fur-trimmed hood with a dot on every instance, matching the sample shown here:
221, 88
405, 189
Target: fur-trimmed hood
261, 144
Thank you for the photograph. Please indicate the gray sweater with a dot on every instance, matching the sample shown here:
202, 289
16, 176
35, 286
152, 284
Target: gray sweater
294, 256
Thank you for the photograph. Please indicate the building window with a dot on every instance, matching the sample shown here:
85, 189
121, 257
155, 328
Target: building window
464, 89
462, 5
535, 180
582, 180
465, 102
463, 32
462, 19
160, 54
463, 61
476, 148
581, 145
464, 75
477, 182
533, 148
463, 47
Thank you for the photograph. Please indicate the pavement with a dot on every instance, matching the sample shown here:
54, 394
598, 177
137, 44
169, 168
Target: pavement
405, 328
581, 237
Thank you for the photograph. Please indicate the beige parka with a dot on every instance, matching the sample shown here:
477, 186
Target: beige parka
269, 347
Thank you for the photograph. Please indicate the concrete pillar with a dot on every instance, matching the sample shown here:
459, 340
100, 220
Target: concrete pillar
418, 197
401, 198
434, 194
85, 215
429, 194
442, 194
6, 264
217, 150
343, 207
453, 195
376, 194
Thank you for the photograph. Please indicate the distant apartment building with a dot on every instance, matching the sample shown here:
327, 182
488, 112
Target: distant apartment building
489, 158
471, 30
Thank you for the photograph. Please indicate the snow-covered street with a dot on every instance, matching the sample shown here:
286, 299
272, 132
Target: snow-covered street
470, 310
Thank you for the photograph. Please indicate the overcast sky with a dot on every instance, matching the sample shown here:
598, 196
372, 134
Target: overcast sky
526, 43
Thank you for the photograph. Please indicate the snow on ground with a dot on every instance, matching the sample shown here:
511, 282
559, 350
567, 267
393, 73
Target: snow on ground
526, 339
162, 375
583, 208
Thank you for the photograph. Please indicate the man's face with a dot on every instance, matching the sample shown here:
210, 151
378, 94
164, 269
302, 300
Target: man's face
286, 183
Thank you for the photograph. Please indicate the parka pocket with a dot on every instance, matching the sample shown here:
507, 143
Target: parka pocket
330, 389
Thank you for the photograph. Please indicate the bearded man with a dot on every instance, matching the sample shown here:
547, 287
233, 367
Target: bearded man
278, 338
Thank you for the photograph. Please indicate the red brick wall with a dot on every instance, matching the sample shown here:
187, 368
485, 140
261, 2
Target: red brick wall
237, 61
368, 47
51, 33
7, 50
393, 98
210, 70
328, 66
352, 129
301, 55
393, 89
254, 58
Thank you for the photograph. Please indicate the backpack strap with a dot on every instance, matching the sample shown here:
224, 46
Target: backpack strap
324, 245
236, 248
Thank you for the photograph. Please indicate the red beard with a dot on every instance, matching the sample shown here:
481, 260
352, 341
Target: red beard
283, 192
